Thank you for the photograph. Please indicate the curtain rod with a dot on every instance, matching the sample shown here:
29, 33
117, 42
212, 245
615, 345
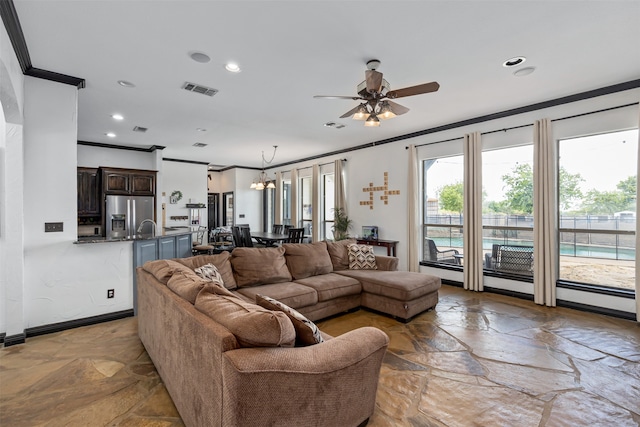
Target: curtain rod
307, 167
531, 124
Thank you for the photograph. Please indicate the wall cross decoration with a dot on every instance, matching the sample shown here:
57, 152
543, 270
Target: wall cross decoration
384, 188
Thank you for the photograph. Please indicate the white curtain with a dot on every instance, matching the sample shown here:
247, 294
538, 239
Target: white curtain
472, 209
545, 208
637, 233
315, 203
294, 197
413, 212
278, 214
340, 200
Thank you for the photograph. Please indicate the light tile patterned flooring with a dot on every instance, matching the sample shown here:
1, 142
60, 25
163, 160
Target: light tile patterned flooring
478, 359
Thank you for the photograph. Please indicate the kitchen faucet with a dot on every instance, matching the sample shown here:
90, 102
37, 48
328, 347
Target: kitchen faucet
152, 222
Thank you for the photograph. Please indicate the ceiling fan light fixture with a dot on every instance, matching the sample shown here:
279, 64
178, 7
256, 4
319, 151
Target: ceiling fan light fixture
385, 111
362, 113
372, 121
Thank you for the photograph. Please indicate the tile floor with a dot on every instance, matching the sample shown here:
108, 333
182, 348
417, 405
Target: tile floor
476, 360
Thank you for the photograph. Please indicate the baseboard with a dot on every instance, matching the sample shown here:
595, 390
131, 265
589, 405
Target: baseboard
597, 310
63, 326
14, 339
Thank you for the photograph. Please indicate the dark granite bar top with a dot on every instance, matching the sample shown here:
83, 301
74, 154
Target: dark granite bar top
166, 232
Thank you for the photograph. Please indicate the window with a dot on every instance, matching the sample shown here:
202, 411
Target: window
597, 177
328, 204
443, 183
306, 204
507, 210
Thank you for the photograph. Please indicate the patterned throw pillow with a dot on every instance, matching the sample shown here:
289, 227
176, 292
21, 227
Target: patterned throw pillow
210, 272
361, 257
307, 333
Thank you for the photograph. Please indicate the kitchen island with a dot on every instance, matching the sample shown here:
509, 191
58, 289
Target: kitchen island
173, 242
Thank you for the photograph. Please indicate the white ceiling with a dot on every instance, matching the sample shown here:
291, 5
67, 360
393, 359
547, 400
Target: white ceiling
290, 51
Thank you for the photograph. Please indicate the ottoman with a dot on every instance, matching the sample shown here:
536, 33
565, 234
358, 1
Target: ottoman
402, 294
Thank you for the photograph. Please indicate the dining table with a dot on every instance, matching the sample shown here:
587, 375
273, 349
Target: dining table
267, 238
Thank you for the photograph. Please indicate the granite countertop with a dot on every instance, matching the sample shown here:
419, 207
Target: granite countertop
166, 232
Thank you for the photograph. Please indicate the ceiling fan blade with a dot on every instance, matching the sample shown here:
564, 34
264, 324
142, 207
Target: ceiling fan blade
354, 98
396, 108
374, 80
413, 90
350, 112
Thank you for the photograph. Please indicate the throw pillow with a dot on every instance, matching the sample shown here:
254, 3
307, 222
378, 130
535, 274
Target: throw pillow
186, 284
361, 257
307, 333
252, 325
259, 266
307, 259
339, 254
210, 272
221, 261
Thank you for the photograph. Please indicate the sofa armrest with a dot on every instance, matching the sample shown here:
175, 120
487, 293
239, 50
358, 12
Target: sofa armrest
327, 384
386, 263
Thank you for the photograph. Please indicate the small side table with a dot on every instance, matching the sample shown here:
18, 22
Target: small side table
458, 258
389, 244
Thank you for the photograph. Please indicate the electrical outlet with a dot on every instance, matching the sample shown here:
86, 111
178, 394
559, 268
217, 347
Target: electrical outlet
110, 293
50, 227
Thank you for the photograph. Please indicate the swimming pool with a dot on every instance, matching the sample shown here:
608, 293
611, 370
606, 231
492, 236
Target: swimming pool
566, 249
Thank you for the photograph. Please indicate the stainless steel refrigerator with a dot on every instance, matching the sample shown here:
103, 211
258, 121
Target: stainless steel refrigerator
125, 213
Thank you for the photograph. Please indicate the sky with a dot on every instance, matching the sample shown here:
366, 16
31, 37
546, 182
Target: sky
602, 160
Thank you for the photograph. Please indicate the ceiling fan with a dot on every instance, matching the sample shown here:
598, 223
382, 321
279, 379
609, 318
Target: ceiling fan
377, 94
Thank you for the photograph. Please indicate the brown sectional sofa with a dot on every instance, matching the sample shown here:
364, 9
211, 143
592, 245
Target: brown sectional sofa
215, 379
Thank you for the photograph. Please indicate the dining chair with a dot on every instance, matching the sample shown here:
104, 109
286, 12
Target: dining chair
237, 237
200, 246
245, 233
295, 235
278, 228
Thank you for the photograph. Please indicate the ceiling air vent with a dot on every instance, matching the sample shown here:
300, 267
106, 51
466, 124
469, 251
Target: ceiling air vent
140, 129
199, 144
192, 87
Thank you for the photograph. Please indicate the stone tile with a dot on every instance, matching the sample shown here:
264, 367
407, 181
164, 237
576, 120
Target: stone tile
461, 362
560, 344
530, 380
582, 409
158, 404
609, 383
625, 345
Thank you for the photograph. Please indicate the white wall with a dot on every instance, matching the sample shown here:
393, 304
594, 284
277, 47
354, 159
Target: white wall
94, 157
11, 190
191, 180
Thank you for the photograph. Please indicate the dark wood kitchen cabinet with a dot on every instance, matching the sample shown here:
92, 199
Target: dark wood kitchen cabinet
128, 181
88, 192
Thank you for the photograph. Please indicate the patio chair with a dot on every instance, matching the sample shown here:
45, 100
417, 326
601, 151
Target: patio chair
436, 255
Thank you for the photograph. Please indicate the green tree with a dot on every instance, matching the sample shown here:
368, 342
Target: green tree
451, 197
519, 188
628, 188
604, 202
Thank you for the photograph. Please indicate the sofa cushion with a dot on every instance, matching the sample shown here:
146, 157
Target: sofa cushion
211, 273
399, 285
163, 269
221, 261
254, 266
187, 284
361, 257
307, 259
292, 294
338, 253
252, 325
332, 285
307, 333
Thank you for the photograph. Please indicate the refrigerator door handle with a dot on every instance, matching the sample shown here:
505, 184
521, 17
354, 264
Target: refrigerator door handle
133, 217
128, 222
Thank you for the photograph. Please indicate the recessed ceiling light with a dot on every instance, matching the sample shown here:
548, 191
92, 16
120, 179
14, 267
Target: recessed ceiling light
117, 116
125, 83
199, 57
232, 67
110, 134
524, 71
201, 129
512, 62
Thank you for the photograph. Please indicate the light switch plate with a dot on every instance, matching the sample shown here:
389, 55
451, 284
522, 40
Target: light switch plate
50, 227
